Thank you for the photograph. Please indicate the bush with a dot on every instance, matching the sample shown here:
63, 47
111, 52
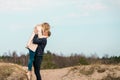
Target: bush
83, 61
109, 77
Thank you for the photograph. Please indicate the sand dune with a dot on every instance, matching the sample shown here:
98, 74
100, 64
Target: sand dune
10, 71
89, 72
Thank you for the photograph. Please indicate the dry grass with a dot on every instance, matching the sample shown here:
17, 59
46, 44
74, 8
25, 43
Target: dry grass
87, 71
84, 70
5, 71
101, 70
94, 72
110, 77
11, 72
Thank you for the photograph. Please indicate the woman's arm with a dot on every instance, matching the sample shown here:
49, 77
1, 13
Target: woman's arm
36, 40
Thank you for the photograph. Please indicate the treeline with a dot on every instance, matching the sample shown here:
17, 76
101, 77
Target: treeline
15, 58
52, 60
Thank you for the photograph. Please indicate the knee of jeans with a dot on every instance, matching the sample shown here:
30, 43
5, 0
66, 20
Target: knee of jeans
31, 60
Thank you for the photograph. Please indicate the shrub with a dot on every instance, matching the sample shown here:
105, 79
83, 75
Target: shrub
109, 77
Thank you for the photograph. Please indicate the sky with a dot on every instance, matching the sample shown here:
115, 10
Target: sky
78, 26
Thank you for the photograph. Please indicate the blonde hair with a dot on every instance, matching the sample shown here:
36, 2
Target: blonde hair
45, 26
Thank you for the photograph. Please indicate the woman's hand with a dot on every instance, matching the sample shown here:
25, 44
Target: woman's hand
35, 30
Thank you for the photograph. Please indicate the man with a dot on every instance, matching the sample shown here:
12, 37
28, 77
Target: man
41, 42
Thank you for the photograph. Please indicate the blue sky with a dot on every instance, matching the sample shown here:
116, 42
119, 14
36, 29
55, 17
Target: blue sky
77, 26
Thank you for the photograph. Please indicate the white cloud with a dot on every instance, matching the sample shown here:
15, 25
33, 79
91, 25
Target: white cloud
15, 27
96, 6
86, 8
22, 5
19, 5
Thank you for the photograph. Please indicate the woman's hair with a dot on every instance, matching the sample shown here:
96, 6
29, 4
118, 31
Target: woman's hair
45, 26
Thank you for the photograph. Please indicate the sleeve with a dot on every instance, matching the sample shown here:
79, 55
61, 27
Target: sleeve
37, 40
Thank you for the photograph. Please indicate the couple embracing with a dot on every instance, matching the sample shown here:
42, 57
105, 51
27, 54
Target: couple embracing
36, 45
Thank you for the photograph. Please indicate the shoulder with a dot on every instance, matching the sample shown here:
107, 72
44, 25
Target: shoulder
43, 39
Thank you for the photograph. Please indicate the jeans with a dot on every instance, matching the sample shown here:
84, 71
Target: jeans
37, 64
31, 59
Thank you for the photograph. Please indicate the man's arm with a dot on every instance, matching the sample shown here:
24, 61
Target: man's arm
37, 40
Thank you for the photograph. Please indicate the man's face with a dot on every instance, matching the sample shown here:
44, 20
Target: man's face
45, 33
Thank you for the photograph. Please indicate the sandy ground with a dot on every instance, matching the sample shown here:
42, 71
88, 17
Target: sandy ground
53, 74
91, 72
81, 72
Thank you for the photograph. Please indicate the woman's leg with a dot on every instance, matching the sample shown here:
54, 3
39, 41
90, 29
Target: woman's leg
31, 59
37, 64
30, 63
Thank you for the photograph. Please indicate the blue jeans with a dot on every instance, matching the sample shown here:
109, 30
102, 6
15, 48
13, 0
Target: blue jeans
31, 59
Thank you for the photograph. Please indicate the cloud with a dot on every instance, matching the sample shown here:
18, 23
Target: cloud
96, 6
86, 8
21, 5
24, 5
15, 27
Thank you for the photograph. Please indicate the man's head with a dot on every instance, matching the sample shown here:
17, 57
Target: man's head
47, 33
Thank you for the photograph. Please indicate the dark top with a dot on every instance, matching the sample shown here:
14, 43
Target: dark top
41, 42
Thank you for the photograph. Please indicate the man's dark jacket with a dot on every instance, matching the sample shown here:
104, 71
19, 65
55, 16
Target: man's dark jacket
41, 44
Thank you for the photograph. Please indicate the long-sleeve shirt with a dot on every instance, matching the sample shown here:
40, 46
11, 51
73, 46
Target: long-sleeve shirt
41, 42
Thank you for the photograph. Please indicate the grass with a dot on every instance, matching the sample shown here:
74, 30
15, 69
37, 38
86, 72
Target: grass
5, 71
94, 72
86, 71
11, 72
82, 70
109, 77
